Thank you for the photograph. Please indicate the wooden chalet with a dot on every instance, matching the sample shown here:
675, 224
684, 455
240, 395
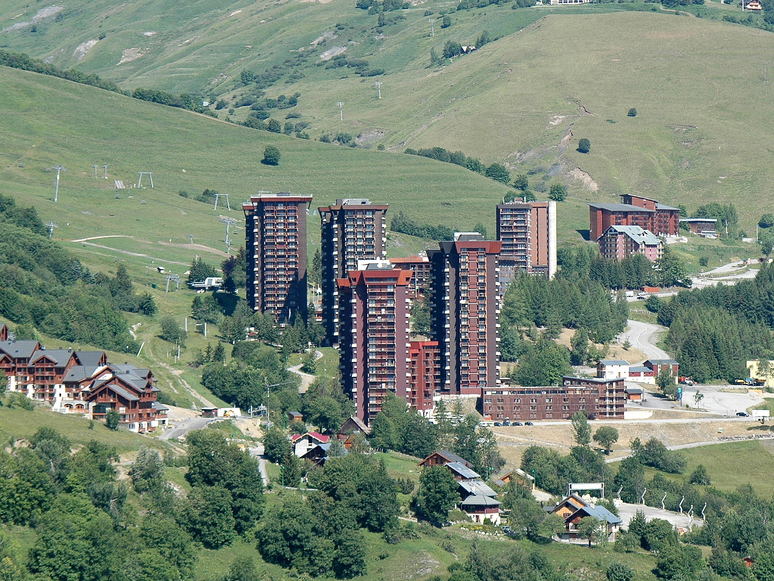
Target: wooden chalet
82, 382
442, 458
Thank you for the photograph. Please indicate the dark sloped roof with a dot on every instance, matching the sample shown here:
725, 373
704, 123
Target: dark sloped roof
19, 349
478, 501
621, 208
462, 470
89, 358
58, 356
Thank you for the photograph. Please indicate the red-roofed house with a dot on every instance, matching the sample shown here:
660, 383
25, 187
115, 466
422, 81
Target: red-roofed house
302, 443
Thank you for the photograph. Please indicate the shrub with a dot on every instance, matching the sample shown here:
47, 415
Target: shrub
271, 155
558, 193
632, 112
584, 145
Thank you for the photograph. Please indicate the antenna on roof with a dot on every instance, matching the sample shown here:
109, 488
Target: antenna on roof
341, 110
58, 168
218, 196
378, 89
145, 173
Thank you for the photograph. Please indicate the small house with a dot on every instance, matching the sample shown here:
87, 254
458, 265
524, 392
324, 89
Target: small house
354, 424
613, 369
519, 476
295, 417
462, 472
479, 508
635, 394
302, 443
442, 458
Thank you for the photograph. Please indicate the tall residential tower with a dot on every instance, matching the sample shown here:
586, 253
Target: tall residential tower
351, 230
276, 254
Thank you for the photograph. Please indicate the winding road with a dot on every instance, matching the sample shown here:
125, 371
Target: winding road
644, 336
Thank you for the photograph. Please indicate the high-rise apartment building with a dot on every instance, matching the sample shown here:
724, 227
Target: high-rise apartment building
351, 230
464, 306
374, 309
276, 254
528, 233
425, 375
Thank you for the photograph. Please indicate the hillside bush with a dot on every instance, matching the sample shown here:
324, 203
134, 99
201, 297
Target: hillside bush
584, 145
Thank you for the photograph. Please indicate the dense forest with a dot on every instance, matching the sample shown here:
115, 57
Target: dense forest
47, 289
714, 331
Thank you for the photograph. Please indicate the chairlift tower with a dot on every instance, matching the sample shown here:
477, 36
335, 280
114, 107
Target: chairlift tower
173, 278
104, 167
229, 222
217, 197
95, 171
190, 238
432, 27
58, 168
341, 110
378, 89
51, 226
145, 173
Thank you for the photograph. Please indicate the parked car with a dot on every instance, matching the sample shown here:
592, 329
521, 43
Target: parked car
528, 424
517, 424
507, 422
742, 414
498, 424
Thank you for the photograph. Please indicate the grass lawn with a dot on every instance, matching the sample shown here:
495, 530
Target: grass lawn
400, 465
18, 423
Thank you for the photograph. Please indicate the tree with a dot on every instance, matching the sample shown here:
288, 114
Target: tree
498, 172
700, 476
209, 517
606, 436
666, 382
543, 363
112, 419
581, 430
590, 528
147, 470
619, 571
579, 347
271, 155
200, 270
558, 193
437, 495
451, 49
276, 446
632, 112
584, 145
172, 332
446, 22
521, 182
766, 221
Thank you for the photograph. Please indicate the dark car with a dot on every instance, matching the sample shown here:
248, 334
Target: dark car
517, 424
528, 424
498, 424
507, 422
742, 414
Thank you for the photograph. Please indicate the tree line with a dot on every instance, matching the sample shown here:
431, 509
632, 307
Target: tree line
715, 330
46, 288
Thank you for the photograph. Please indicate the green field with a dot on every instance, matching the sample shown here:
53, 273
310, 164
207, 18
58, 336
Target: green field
700, 87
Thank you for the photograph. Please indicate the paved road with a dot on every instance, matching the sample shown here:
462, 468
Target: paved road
181, 428
257, 452
306, 379
643, 336
716, 401
627, 511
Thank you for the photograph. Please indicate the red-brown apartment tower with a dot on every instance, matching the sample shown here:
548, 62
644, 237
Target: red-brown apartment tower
351, 230
528, 233
425, 374
276, 254
464, 306
374, 309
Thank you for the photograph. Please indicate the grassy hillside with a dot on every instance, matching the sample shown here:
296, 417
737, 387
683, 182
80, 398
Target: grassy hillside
554, 76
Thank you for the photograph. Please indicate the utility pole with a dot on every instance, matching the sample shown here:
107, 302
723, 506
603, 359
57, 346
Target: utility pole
105, 168
341, 110
378, 89
432, 27
95, 171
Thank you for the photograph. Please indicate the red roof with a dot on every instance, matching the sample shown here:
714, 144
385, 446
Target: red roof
315, 435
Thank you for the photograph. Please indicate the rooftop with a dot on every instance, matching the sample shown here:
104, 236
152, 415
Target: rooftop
637, 234
620, 208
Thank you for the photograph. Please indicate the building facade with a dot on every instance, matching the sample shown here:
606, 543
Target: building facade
646, 213
374, 310
425, 375
464, 306
527, 231
600, 398
351, 230
420, 267
276, 254
619, 242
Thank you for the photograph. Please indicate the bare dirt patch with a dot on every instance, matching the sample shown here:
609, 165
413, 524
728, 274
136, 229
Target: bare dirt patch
332, 52
130, 54
41, 14
83, 49
325, 36
369, 137
585, 178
